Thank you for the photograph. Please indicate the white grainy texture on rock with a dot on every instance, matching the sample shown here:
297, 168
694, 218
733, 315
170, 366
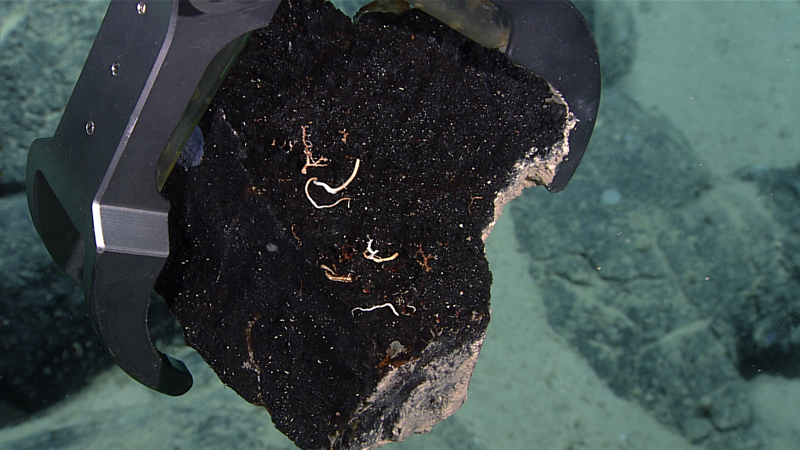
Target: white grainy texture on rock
535, 170
430, 390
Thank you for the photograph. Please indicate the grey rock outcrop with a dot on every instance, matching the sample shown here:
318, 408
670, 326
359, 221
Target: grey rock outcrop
669, 292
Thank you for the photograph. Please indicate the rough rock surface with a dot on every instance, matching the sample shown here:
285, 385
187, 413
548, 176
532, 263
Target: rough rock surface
674, 297
327, 255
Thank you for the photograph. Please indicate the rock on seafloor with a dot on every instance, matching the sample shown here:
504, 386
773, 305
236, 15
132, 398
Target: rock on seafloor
327, 256
675, 292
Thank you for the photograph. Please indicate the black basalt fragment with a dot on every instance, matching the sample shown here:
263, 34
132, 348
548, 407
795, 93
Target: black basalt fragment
354, 315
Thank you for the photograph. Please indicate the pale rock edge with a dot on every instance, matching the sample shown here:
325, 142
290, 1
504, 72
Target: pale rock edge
536, 170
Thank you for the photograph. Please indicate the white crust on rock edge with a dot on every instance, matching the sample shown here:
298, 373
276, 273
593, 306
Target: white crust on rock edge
534, 170
442, 381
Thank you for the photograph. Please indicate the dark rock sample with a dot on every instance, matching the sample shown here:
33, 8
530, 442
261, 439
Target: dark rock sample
327, 256
668, 288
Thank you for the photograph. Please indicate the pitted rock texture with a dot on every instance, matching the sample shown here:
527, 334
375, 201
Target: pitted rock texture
327, 255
